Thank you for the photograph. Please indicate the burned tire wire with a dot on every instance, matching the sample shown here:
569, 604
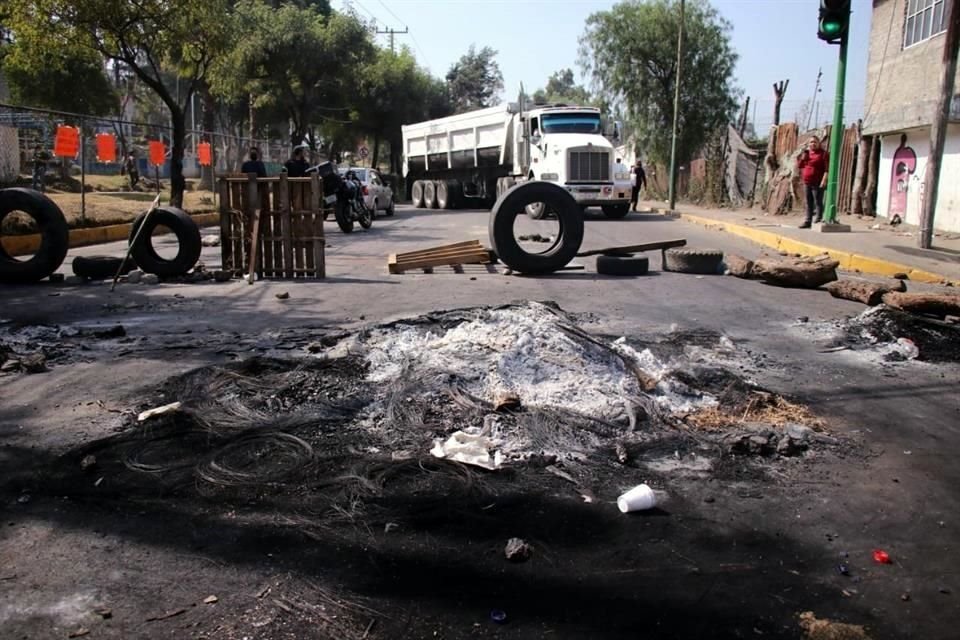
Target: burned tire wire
257, 458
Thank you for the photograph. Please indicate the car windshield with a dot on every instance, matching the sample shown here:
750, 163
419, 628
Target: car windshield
360, 173
571, 123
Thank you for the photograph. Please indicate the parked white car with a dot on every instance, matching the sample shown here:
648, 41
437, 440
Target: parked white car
376, 194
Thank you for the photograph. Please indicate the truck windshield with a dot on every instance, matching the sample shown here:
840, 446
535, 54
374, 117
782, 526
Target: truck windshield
571, 122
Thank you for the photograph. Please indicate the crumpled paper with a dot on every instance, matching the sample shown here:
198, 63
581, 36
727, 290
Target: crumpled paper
469, 448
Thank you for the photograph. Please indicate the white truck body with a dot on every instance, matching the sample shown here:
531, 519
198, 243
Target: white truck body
559, 144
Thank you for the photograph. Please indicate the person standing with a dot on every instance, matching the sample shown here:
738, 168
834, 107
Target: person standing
638, 180
130, 168
40, 160
813, 165
254, 165
297, 165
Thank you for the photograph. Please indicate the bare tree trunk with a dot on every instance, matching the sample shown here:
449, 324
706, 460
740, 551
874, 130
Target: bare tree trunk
870, 193
209, 124
375, 156
863, 158
779, 90
178, 183
742, 121
771, 163
253, 121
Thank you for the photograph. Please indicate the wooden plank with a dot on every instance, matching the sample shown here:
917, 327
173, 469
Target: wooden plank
634, 248
285, 230
315, 221
435, 262
401, 257
297, 219
456, 245
450, 258
239, 226
277, 232
266, 236
226, 227
253, 214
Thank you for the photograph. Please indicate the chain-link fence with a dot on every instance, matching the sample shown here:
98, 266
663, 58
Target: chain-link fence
94, 190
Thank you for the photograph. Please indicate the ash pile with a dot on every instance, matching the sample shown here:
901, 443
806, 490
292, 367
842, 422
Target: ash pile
478, 393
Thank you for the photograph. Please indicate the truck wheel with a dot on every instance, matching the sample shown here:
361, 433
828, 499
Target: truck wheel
429, 194
455, 189
536, 210
683, 260
54, 236
615, 211
569, 236
188, 239
623, 265
443, 195
416, 194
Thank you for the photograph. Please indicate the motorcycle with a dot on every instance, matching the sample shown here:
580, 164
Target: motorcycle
350, 206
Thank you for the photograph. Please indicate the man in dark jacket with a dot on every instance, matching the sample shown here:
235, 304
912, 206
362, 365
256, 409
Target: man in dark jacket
254, 165
813, 165
297, 165
638, 180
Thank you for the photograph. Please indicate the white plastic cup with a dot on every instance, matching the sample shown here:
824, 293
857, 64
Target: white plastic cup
637, 499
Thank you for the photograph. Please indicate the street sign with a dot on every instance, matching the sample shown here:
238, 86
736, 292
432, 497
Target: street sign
364, 152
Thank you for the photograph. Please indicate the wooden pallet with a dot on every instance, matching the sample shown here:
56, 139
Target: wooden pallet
454, 255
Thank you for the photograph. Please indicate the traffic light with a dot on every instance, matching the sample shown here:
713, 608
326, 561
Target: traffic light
834, 20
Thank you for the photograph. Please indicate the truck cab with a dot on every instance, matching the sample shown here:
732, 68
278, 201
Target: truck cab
568, 146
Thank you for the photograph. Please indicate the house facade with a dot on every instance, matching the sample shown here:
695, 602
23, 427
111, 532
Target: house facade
903, 84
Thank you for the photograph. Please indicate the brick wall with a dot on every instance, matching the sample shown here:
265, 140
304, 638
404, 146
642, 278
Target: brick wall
902, 84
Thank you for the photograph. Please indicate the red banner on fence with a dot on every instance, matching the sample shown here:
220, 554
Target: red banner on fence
66, 144
204, 154
106, 147
158, 152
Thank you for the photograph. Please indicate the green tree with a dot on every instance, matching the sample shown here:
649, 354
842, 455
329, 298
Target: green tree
475, 80
148, 36
561, 87
58, 78
296, 63
630, 51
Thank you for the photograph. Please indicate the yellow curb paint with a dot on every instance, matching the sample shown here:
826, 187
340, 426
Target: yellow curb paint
848, 261
23, 245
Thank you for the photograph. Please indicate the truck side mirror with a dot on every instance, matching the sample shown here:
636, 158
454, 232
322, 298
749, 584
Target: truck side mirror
535, 138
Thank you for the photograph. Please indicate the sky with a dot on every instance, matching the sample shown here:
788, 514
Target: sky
775, 40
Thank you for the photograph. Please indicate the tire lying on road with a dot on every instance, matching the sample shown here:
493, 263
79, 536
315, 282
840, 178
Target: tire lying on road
511, 204
686, 260
101, 267
623, 265
188, 238
53, 230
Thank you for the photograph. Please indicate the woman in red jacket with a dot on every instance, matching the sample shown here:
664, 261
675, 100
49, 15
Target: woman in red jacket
813, 165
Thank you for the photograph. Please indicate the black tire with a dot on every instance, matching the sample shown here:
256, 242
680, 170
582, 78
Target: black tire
569, 235
416, 194
683, 260
54, 236
342, 214
390, 210
616, 211
455, 189
188, 239
443, 197
101, 267
429, 194
365, 217
623, 265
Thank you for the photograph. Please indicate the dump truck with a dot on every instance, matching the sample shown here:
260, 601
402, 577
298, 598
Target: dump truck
470, 159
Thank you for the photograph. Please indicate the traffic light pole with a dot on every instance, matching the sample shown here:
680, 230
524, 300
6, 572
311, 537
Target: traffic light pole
836, 138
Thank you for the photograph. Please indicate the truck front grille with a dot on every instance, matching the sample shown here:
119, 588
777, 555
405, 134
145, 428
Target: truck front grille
592, 166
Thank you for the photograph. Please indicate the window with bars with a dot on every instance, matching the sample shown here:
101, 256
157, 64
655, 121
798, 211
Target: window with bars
925, 19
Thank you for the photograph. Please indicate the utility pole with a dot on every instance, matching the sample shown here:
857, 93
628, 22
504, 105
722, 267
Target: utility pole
938, 129
391, 32
676, 113
834, 28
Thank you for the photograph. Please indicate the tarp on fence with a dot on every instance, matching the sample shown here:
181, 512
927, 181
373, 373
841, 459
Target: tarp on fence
743, 166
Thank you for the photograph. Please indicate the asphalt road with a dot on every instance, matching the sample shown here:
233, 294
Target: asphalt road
900, 494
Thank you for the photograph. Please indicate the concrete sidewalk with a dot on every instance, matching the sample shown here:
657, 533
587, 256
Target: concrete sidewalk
884, 251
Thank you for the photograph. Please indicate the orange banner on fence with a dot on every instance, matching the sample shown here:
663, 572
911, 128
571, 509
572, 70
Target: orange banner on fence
106, 147
204, 154
158, 152
66, 144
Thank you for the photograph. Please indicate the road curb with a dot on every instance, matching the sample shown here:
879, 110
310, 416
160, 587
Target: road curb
848, 260
23, 245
